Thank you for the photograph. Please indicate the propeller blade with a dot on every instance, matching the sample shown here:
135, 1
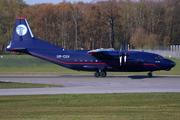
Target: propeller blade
126, 48
125, 59
120, 60
120, 55
125, 54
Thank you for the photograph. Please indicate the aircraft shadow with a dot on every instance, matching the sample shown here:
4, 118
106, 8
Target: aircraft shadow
4, 82
138, 76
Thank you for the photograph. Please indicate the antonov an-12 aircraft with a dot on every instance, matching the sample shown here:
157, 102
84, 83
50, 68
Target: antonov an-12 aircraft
99, 60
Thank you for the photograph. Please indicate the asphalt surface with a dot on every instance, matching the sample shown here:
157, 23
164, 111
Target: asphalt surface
88, 84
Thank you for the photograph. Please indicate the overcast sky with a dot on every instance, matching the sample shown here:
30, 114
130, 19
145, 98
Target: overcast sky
32, 2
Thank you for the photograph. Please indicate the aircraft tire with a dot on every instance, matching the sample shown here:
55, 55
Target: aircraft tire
96, 74
103, 74
150, 74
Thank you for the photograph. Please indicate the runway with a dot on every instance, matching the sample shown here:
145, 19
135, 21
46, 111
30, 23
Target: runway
88, 84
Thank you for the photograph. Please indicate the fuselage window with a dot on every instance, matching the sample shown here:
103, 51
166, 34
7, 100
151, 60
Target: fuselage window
91, 60
85, 60
80, 60
75, 60
96, 60
130, 61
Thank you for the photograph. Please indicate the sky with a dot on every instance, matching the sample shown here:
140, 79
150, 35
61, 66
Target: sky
32, 2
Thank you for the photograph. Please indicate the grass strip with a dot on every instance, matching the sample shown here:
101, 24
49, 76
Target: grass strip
124, 106
7, 85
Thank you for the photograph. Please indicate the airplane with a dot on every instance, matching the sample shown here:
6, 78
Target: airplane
100, 60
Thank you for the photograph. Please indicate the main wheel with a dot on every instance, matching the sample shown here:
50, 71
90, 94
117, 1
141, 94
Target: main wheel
96, 74
150, 74
103, 74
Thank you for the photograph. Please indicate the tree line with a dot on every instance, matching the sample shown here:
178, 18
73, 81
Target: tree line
103, 24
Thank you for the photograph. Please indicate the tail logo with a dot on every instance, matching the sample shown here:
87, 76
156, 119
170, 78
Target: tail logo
21, 30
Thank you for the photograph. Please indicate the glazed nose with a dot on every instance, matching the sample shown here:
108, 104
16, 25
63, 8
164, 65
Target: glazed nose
173, 63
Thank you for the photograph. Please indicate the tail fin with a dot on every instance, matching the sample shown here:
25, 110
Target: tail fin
22, 31
23, 39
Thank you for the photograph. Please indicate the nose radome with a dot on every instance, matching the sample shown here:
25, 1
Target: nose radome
173, 63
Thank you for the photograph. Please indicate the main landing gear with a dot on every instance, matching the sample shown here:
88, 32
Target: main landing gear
101, 73
150, 74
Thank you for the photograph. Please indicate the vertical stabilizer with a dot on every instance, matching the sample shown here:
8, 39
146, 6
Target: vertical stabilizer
23, 39
22, 31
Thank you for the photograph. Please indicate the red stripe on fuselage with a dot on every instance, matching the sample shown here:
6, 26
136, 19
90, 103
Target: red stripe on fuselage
152, 64
95, 63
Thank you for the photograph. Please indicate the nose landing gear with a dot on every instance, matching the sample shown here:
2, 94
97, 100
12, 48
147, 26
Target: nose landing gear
150, 74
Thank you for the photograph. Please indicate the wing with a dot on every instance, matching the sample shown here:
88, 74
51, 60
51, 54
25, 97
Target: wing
103, 54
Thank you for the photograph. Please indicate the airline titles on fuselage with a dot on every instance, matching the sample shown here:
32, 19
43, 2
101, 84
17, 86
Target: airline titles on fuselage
63, 56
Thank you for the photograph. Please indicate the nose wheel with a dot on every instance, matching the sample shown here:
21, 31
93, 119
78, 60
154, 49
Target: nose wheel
150, 74
102, 74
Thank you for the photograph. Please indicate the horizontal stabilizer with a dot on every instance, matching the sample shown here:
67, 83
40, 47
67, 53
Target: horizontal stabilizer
18, 48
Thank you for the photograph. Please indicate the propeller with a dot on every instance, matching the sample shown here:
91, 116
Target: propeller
123, 55
120, 55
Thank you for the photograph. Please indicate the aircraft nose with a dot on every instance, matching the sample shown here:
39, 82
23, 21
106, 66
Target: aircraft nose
173, 64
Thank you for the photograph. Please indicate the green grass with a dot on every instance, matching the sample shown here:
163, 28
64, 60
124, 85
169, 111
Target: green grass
7, 85
134, 106
123, 106
26, 64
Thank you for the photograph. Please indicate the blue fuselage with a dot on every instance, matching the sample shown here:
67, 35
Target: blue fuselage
81, 60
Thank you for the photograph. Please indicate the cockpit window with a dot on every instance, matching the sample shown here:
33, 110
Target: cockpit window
159, 57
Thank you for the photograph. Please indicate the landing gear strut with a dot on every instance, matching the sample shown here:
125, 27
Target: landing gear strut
101, 73
150, 74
